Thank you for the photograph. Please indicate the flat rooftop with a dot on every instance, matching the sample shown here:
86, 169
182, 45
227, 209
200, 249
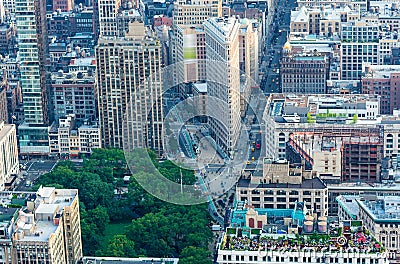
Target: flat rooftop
88, 61
364, 187
349, 204
323, 108
314, 183
224, 26
314, 142
49, 201
381, 71
383, 209
274, 216
43, 231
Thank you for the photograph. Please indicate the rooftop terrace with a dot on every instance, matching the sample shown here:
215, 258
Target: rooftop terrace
351, 238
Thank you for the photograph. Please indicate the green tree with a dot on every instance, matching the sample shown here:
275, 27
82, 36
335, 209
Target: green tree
121, 246
193, 255
93, 191
90, 238
173, 227
99, 217
159, 229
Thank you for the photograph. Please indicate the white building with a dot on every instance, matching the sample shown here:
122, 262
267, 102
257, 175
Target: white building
223, 75
108, 11
67, 140
8, 153
48, 228
308, 256
354, 4
364, 42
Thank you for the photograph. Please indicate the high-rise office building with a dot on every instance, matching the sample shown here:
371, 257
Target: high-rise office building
223, 80
124, 65
248, 46
188, 37
33, 50
107, 14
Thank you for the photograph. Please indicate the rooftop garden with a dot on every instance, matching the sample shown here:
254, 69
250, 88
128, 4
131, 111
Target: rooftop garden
357, 239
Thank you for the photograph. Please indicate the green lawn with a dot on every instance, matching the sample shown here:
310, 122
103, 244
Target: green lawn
113, 229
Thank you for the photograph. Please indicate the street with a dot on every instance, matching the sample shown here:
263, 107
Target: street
31, 171
270, 63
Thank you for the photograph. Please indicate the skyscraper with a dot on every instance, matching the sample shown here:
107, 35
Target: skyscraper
223, 80
187, 39
124, 65
33, 50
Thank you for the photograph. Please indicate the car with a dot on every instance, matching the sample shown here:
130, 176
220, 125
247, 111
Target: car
258, 144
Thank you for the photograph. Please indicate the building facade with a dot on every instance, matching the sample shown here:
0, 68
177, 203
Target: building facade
383, 80
63, 5
380, 215
281, 186
33, 51
9, 164
223, 75
360, 44
303, 73
74, 93
299, 115
48, 229
69, 139
124, 65
187, 40
107, 14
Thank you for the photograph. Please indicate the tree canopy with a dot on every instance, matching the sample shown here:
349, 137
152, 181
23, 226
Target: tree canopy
158, 229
